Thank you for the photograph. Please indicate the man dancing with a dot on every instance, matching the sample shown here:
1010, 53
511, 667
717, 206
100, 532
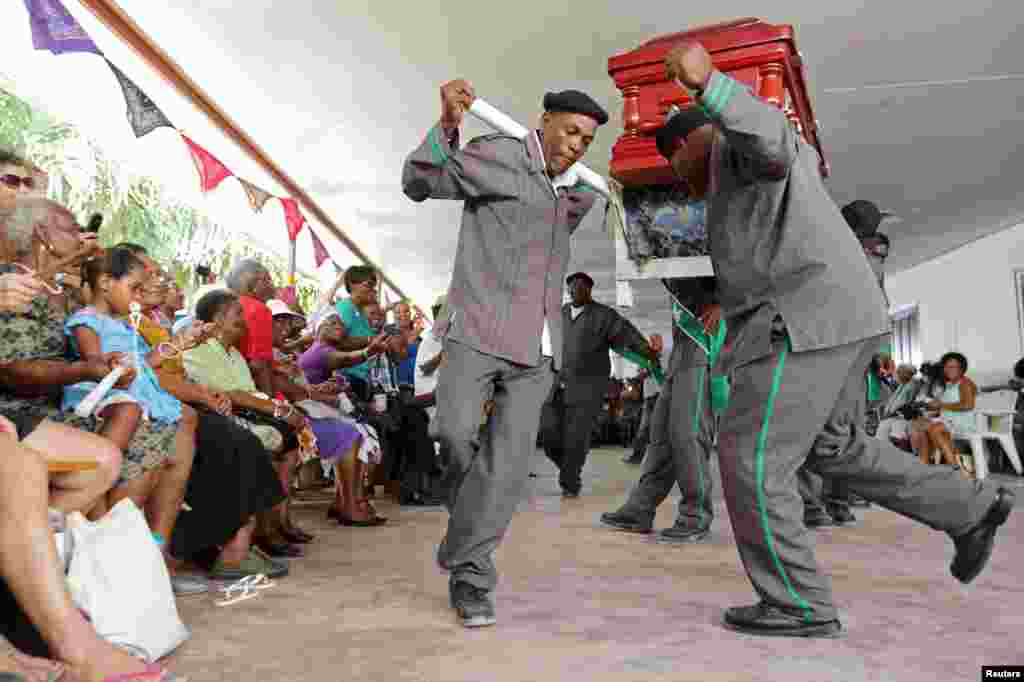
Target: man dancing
522, 201
805, 315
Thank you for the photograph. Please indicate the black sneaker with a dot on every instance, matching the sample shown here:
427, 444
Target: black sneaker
472, 604
817, 518
762, 619
841, 514
682, 535
974, 547
622, 521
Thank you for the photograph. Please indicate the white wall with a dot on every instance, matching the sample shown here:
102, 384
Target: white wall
966, 302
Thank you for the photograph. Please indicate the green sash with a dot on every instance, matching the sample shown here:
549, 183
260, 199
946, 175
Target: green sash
712, 347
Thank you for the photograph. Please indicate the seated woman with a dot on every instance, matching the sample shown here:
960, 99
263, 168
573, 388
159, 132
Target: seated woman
221, 520
892, 424
116, 281
952, 412
33, 367
39, 615
219, 364
317, 365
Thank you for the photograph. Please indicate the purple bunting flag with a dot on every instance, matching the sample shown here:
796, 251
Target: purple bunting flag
143, 115
54, 29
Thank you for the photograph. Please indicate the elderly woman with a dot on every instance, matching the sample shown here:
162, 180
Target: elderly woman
219, 364
952, 412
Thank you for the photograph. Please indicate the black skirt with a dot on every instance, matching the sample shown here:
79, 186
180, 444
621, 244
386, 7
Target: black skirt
232, 479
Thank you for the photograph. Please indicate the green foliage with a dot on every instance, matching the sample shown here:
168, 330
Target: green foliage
87, 182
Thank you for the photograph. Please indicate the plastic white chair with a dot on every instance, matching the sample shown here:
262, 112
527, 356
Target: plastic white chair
995, 412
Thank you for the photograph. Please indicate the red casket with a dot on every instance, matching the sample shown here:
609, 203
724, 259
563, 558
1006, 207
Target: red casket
761, 55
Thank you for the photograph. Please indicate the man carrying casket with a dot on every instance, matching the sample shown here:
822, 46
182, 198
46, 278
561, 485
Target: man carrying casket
804, 313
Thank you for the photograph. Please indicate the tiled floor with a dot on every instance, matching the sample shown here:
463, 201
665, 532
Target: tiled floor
580, 602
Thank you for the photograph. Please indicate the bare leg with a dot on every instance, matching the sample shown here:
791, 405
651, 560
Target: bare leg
942, 440
165, 502
29, 564
120, 422
237, 548
138, 490
77, 491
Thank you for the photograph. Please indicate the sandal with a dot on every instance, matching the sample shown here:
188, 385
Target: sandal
373, 520
297, 535
256, 563
148, 675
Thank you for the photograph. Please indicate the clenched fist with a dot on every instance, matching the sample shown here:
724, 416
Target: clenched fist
456, 98
690, 64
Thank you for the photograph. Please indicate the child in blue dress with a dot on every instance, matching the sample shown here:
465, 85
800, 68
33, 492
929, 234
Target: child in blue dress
115, 281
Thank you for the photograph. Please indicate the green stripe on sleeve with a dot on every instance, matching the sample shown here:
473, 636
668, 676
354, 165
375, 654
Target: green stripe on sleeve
438, 153
728, 90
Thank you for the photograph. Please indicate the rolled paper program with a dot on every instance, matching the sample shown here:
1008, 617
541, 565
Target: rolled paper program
89, 403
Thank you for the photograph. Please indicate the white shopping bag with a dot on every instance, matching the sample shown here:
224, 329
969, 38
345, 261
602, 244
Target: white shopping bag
117, 576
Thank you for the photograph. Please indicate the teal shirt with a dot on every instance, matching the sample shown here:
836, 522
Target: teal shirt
357, 325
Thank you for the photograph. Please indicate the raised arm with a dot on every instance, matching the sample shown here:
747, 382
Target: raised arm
755, 128
438, 169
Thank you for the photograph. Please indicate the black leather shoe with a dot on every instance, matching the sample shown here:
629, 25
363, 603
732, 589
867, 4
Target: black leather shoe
472, 604
621, 521
682, 535
570, 494
974, 547
770, 621
841, 514
817, 518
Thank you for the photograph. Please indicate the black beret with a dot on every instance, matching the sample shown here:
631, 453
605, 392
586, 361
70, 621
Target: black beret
863, 217
575, 102
678, 124
580, 275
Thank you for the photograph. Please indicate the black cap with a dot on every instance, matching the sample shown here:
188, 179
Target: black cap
678, 124
863, 217
580, 275
575, 102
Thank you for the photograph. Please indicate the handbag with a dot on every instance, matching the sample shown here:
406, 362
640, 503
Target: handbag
118, 578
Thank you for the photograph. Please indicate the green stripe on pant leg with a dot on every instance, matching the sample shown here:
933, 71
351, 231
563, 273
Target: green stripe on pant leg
697, 412
762, 504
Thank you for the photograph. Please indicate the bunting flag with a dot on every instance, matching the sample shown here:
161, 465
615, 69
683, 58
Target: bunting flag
54, 29
320, 254
211, 171
143, 115
258, 197
293, 216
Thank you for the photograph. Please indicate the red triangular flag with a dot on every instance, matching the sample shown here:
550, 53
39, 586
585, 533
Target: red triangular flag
319, 250
211, 171
293, 217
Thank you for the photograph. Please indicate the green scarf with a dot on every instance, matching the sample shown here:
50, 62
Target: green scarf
694, 328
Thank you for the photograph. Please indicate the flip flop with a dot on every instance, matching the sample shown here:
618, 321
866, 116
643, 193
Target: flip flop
148, 675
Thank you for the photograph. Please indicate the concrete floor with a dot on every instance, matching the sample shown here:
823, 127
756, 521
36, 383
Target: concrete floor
580, 602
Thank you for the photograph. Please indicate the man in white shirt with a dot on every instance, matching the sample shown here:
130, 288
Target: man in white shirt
430, 359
